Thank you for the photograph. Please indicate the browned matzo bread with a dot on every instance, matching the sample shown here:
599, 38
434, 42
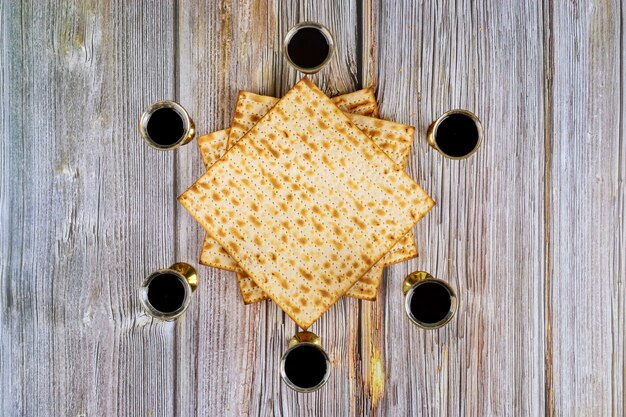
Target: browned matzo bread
251, 107
212, 146
306, 203
361, 102
394, 138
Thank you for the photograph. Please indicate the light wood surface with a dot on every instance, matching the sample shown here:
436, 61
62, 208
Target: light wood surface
530, 230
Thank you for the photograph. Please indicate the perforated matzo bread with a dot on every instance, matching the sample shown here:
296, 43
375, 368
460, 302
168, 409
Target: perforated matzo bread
394, 138
250, 292
306, 203
366, 288
251, 107
358, 102
212, 146
397, 144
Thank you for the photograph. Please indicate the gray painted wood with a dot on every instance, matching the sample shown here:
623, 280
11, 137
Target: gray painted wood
530, 230
87, 209
587, 236
237, 348
486, 234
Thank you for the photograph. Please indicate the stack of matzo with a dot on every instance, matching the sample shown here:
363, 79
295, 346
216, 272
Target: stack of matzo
307, 203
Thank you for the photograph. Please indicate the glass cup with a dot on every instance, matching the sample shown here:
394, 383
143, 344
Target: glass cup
308, 46
166, 293
430, 303
166, 125
456, 134
305, 366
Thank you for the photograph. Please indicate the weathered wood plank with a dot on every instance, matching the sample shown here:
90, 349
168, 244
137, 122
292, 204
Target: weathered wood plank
230, 352
339, 327
87, 210
485, 236
87, 217
587, 209
142, 73
216, 359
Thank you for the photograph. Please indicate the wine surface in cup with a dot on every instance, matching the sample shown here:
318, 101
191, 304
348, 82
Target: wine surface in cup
457, 135
430, 302
308, 48
305, 366
165, 126
166, 293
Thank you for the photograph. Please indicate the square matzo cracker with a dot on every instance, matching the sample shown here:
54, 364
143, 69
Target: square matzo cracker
394, 138
306, 203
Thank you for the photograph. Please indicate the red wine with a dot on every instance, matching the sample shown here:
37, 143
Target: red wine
430, 302
308, 48
166, 293
165, 126
305, 366
457, 135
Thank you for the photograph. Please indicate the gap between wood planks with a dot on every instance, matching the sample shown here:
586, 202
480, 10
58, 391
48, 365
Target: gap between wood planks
548, 71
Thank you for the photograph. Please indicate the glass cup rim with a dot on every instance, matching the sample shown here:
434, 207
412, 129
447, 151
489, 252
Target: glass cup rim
330, 40
286, 379
165, 104
167, 316
444, 116
448, 316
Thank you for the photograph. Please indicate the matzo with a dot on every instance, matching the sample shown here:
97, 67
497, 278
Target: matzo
366, 288
306, 203
251, 107
394, 138
358, 102
212, 146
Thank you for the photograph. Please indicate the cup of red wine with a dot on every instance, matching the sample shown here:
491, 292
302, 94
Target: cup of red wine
308, 46
430, 303
305, 366
456, 134
166, 125
166, 293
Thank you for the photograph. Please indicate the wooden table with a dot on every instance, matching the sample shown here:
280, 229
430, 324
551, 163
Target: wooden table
531, 230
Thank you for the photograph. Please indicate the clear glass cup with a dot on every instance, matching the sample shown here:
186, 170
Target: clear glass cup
442, 313
182, 275
475, 137
187, 133
311, 367
330, 41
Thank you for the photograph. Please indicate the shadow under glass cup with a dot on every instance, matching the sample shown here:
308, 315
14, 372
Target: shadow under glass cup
456, 134
429, 302
166, 293
166, 125
308, 46
305, 366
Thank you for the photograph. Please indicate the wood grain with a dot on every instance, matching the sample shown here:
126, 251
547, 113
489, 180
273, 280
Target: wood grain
236, 349
485, 236
530, 230
587, 244
84, 217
